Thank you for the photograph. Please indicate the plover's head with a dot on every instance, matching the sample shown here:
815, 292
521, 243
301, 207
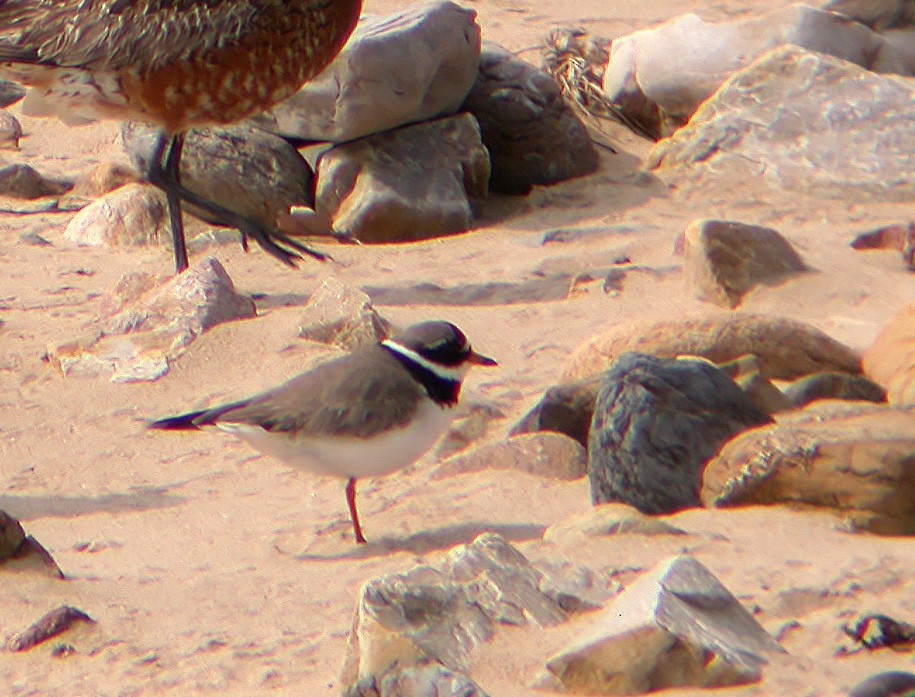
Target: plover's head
440, 347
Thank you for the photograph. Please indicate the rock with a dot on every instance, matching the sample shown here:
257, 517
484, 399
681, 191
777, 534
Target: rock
876, 14
550, 455
889, 684
106, 176
24, 181
472, 422
10, 93
786, 349
428, 679
608, 520
847, 457
532, 135
890, 361
676, 626
565, 408
409, 67
33, 239
656, 423
10, 131
779, 119
340, 314
140, 340
49, 626
134, 215
245, 169
442, 613
659, 78
762, 393
11, 536
903, 42
833, 386
410, 184
879, 631
887, 237
726, 259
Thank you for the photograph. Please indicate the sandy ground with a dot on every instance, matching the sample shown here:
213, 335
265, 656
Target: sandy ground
211, 570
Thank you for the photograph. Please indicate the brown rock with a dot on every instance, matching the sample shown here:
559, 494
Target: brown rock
854, 460
410, 184
887, 237
24, 181
11, 536
677, 626
531, 134
103, 178
550, 455
786, 349
763, 393
49, 626
726, 259
139, 341
343, 315
134, 215
890, 361
10, 131
565, 408
610, 519
472, 422
833, 386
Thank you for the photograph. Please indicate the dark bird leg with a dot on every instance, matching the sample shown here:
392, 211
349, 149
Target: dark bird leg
167, 179
351, 500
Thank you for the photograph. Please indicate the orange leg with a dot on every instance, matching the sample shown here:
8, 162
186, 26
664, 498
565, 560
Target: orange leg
351, 500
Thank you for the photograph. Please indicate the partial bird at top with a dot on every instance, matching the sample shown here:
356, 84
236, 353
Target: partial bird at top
177, 64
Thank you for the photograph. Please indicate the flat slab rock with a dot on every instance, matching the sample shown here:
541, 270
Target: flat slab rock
786, 349
412, 66
855, 459
139, 339
676, 626
781, 119
441, 614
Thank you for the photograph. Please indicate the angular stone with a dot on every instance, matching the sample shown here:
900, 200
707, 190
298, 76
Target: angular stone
607, 520
656, 423
779, 119
416, 65
786, 349
811, 388
550, 455
876, 14
245, 169
428, 679
10, 131
761, 392
724, 260
565, 408
343, 315
532, 135
10, 93
472, 423
410, 184
890, 361
11, 536
134, 215
856, 460
24, 181
676, 626
106, 176
442, 613
659, 78
140, 339
49, 626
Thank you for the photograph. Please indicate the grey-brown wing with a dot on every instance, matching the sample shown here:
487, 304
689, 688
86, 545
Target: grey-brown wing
115, 34
318, 402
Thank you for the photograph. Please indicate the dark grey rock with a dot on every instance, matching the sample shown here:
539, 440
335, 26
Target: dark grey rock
889, 684
656, 423
531, 134
833, 386
565, 408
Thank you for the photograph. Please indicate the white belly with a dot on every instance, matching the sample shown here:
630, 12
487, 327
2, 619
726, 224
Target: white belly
347, 456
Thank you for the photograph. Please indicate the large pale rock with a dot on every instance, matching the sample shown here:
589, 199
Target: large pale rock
786, 349
550, 455
533, 137
890, 361
409, 67
343, 315
677, 626
795, 120
442, 613
856, 460
656, 423
245, 169
133, 215
410, 184
724, 259
660, 76
139, 340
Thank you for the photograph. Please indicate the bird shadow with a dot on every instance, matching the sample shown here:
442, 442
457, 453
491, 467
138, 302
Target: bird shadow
418, 543
139, 499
